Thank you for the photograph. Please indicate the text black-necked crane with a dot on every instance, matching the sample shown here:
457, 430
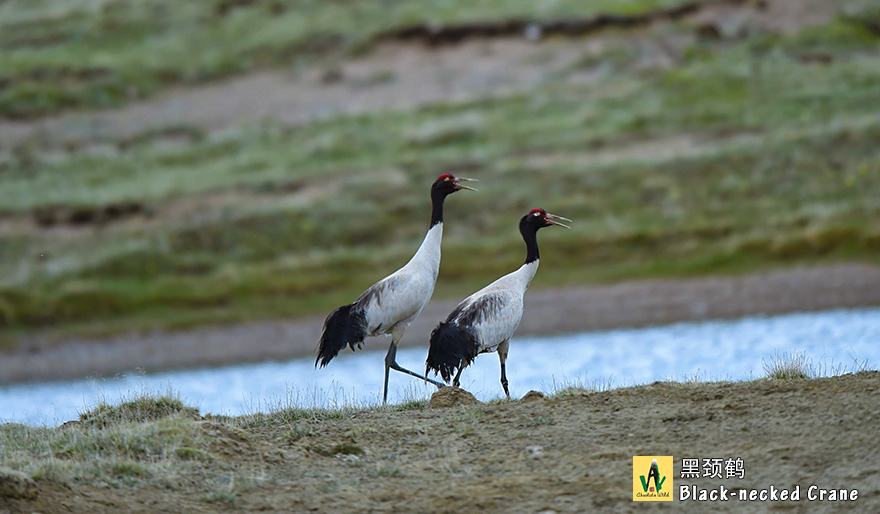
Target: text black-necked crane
484, 321
391, 304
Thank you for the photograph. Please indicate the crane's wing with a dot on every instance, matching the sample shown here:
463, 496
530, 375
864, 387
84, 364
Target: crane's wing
379, 291
475, 308
395, 299
493, 317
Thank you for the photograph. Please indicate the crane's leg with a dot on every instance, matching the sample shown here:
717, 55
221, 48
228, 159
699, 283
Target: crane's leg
392, 352
457, 375
502, 355
391, 363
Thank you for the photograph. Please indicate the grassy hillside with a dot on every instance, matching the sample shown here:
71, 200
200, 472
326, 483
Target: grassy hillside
744, 153
61, 54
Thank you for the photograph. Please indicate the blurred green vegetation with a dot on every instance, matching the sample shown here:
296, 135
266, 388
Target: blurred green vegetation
743, 156
61, 54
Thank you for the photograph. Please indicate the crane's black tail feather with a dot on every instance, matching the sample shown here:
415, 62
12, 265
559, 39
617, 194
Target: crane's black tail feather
346, 325
452, 348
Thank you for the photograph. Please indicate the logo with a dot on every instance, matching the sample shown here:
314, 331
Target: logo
652, 479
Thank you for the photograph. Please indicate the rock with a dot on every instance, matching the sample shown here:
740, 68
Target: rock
452, 396
533, 32
533, 396
15, 484
221, 430
534, 452
332, 76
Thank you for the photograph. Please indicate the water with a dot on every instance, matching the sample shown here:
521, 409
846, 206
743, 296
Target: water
714, 350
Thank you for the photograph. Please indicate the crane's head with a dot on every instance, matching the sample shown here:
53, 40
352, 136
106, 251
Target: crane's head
447, 184
539, 218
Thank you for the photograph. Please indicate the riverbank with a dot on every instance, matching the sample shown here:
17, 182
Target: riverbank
569, 452
549, 311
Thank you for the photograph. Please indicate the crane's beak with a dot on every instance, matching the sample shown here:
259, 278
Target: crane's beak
552, 217
462, 179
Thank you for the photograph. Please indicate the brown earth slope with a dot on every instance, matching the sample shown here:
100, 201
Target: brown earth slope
568, 453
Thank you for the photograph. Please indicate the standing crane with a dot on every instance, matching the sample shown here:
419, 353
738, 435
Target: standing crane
391, 304
485, 321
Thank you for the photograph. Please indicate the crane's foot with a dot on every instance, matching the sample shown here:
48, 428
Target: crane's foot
397, 367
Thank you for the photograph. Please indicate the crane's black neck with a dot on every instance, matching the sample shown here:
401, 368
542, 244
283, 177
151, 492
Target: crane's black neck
437, 198
530, 236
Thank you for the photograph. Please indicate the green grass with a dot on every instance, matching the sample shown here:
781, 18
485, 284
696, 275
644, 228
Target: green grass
59, 54
148, 440
778, 164
141, 408
120, 453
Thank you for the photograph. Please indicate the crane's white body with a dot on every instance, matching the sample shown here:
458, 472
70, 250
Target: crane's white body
486, 320
493, 313
391, 304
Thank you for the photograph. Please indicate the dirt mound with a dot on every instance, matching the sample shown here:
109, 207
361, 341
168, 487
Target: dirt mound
533, 396
451, 397
14, 484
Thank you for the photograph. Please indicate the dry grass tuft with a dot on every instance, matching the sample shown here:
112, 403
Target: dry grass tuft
789, 366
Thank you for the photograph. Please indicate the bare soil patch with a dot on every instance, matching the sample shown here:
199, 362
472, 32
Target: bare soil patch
59, 222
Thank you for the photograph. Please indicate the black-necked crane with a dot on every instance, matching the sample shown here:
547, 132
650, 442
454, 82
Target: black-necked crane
391, 304
485, 321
